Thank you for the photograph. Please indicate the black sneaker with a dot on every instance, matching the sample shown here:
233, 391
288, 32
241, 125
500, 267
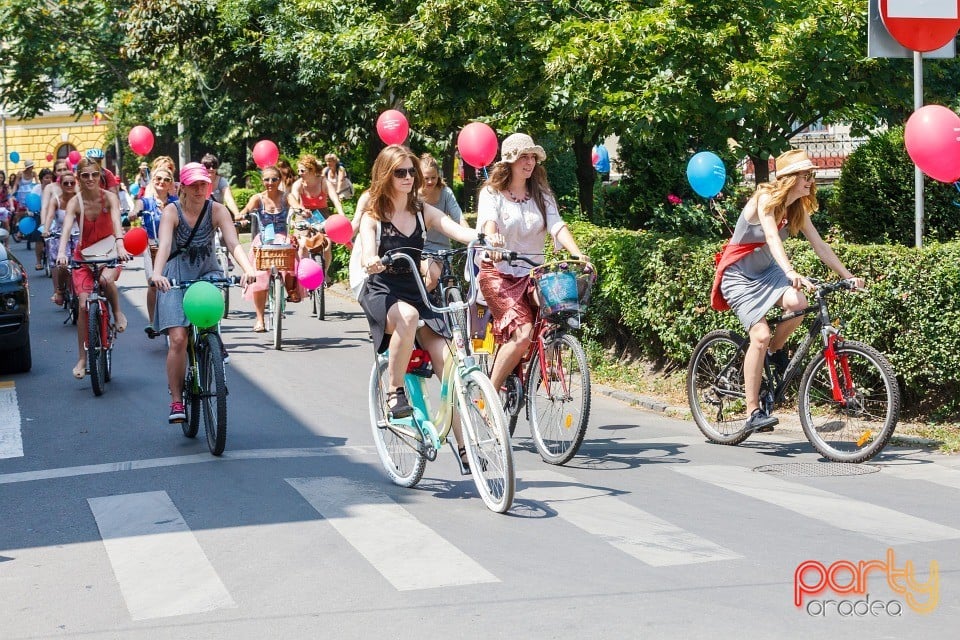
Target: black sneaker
760, 422
399, 408
779, 361
150, 331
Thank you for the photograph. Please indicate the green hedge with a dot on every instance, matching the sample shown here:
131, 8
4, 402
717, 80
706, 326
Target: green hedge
653, 298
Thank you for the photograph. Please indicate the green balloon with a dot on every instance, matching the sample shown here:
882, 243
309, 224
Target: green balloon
203, 304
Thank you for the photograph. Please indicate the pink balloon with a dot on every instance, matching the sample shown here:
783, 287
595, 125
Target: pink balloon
594, 157
477, 144
930, 136
392, 127
310, 274
73, 157
140, 139
338, 228
265, 153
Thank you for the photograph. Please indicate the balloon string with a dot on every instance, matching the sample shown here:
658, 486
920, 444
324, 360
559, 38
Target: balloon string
485, 176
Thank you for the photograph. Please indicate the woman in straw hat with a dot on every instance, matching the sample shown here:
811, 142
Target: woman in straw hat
516, 209
754, 273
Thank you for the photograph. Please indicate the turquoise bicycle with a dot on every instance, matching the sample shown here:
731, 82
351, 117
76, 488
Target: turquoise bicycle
404, 445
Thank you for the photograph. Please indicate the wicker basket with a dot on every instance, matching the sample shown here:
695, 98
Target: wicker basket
281, 256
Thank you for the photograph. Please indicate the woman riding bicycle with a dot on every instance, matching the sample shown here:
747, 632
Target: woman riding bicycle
272, 208
98, 211
53, 218
392, 216
150, 211
515, 209
186, 253
754, 273
311, 192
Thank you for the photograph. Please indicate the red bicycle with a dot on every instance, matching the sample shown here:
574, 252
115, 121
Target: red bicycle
101, 330
552, 380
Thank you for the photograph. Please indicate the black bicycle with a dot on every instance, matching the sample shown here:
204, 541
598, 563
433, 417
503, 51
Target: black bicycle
849, 399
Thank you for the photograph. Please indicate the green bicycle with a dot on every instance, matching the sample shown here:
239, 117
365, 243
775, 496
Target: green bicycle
404, 445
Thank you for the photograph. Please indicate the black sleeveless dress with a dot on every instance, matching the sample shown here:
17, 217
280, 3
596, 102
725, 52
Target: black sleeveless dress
383, 290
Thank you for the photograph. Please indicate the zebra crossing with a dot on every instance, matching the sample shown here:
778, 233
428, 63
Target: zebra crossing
161, 569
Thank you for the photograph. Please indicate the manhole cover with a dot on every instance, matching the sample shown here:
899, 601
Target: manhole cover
817, 469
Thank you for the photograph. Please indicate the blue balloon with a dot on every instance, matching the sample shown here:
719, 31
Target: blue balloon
33, 201
27, 225
14, 157
134, 189
706, 174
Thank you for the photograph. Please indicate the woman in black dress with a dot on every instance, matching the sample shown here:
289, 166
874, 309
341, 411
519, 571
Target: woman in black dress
392, 216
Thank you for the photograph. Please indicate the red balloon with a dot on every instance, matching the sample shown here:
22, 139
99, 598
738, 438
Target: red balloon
392, 127
73, 157
135, 241
49, 157
338, 228
140, 139
265, 153
930, 136
477, 144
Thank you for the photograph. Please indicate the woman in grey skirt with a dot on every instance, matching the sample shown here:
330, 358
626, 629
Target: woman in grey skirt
754, 274
186, 253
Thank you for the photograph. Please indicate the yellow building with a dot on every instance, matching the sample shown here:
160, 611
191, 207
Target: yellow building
54, 134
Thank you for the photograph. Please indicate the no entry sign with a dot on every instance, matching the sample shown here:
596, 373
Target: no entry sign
921, 25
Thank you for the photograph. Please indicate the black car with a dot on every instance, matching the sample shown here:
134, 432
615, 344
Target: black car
14, 315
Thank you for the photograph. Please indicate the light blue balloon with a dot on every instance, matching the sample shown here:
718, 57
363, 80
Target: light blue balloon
134, 189
27, 225
706, 174
33, 201
14, 157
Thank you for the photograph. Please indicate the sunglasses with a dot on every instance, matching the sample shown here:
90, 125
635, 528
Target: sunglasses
89, 175
271, 179
159, 179
400, 174
808, 175
72, 183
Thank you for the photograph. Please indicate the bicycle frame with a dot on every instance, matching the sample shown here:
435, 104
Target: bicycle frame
96, 298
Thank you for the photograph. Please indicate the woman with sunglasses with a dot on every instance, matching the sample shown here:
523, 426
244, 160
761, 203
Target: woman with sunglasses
150, 211
311, 192
754, 273
97, 213
392, 216
53, 218
272, 208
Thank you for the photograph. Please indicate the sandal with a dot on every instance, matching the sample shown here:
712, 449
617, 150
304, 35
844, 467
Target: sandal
259, 328
39, 267
397, 403
57, 299
464, 462
79, 371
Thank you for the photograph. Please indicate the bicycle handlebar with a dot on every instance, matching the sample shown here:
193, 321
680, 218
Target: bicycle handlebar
232, 281
824, 288
107, 264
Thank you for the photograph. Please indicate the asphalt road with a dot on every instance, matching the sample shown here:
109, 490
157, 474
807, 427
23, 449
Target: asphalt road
113, 525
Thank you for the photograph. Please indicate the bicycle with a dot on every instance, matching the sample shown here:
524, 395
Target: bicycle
101, 330
204, 382
849, 399
274, 258
313, 227
70, 301
552, 380
404, 445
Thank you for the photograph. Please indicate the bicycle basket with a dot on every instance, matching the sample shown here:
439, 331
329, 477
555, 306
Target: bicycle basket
281, 256
564, 287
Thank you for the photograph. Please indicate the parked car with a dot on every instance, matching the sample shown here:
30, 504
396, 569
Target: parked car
14, 314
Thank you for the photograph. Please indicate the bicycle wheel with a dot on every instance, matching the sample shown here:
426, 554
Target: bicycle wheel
279, 298
558, 407
858, 427
512, 397
319, 294
715, 387
95, 361
213, 392
487, 441
191, 404
400, 449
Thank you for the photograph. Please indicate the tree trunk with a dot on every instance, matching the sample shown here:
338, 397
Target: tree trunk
586, 176
761, 169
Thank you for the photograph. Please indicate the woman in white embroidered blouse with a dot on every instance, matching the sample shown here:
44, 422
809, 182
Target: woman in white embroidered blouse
516, 209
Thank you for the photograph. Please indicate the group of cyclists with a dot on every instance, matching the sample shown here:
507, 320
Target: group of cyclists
407, 207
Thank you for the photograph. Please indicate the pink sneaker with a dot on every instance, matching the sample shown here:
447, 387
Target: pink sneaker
178, 413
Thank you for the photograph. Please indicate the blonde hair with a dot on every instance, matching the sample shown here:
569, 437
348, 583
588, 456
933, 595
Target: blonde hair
427, 160
797, 212
164, 161
381, 182
331, 156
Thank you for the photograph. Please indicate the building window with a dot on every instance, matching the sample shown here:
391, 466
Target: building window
64, 150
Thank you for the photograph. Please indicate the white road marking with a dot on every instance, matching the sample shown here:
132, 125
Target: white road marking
196, 458
634, 531
161, 569
11, 442
929, 472
405, 551
849, 514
